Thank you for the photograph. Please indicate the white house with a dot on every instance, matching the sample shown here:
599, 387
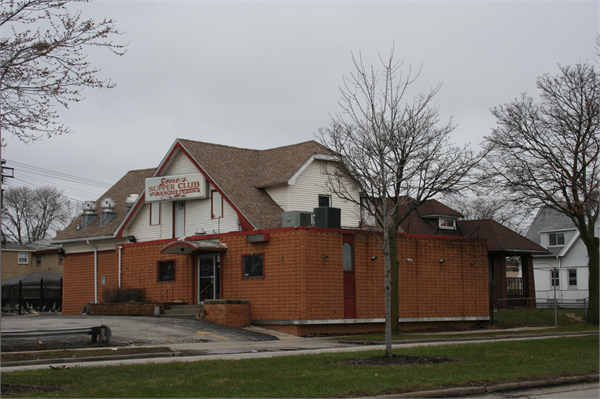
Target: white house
565, 270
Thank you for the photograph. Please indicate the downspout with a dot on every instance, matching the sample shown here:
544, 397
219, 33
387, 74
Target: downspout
120, 249
95, 271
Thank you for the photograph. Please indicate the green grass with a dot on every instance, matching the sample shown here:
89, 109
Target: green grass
321, 375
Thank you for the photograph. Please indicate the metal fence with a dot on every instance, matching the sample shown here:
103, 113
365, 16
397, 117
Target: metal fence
40, 297
549, 304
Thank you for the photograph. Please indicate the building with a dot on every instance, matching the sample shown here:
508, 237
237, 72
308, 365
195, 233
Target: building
34, 257
564, 269
215, 221
510, 255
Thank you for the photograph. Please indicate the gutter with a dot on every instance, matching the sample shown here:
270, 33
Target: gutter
120, 248
95, 271
86, 239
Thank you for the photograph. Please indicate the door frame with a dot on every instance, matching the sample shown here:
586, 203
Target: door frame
216, 278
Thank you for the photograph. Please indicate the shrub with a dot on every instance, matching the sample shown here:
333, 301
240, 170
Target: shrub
122, 295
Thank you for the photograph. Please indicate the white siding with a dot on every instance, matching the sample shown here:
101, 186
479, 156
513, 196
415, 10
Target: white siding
280, 195
180, 165
304, 195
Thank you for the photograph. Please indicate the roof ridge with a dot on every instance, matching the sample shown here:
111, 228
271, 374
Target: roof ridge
253, 149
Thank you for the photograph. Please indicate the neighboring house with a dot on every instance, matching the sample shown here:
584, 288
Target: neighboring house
510, 255
564, 269
34, 257
219, 222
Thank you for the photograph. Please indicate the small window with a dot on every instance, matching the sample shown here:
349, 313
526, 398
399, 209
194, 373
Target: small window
324, 167
166, 270
573, 278
154, 213
216, 205
38, 260
557, 239
23, 258
554, 276
347, 256
253, 265
324, 200
447, 224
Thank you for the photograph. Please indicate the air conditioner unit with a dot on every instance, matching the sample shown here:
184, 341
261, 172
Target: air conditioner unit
295, 218
326, 216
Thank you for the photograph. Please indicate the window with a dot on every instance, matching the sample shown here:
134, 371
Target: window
447, 224
554, 276
23, 258
557, 239
347, 256
166, 270
38, 260
154, 213
253, 265
216, 205
573, 278
324, 200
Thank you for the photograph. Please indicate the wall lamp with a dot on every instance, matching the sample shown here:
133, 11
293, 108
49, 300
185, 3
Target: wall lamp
409, 260
131, 238
325, 256
472, 263
373, 257
442, 261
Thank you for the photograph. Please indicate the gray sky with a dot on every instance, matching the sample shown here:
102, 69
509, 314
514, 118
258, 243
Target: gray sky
262, 75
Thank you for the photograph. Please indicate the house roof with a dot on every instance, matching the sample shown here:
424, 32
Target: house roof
132, 183
41, 245
548, 219
239, 173
33, 279
499, 237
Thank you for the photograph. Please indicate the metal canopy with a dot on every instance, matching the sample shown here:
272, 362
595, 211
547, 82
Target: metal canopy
187, 247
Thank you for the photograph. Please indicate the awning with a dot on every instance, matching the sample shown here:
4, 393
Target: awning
187, 247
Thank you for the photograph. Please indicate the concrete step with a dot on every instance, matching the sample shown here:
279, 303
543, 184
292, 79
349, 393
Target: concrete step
182, 311
185, 307
180, 316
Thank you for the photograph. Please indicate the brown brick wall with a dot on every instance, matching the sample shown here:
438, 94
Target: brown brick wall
230, 315
122, 309
299, 283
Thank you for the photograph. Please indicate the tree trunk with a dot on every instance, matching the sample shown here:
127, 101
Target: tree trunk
395, 284
593, 249
388, 310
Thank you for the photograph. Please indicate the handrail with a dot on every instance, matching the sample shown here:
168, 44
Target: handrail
166, 290
208, 287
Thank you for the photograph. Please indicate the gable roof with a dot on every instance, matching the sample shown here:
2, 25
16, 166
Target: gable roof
240, 174
548, 219
132, 183
499, 237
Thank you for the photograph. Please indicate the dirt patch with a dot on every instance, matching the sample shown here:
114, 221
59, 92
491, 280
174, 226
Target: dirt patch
397, 360
19, 389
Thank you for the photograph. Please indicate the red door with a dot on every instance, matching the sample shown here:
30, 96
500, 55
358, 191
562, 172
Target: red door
349, 278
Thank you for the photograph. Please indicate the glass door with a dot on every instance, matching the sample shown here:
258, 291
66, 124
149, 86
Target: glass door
208, 277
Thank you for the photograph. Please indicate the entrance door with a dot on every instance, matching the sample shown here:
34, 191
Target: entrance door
208, 277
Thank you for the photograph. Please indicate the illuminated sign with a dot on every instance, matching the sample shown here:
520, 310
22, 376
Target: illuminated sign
176, 187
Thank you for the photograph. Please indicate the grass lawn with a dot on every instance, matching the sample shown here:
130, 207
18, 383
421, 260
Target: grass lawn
321, 376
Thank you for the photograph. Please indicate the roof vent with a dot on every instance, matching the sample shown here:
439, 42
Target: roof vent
89, 207
131, 200
108, 205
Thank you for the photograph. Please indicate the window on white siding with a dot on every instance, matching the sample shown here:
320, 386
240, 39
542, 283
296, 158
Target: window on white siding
573, 278
154, 213
23, 258
216, 205
555, 280
324, 200
557, 239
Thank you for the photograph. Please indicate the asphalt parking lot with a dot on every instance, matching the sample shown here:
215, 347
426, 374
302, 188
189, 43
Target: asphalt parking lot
130, 331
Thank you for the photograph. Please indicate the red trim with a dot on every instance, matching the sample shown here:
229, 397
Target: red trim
174, 270
263, 265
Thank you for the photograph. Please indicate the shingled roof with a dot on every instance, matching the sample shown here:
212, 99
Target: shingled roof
132, 183
240, 173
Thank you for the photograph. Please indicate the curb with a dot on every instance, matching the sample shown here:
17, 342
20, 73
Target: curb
89, 359
513, 386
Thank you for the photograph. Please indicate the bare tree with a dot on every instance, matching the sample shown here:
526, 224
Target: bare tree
34, 214
397, 154
43, 63
547, 154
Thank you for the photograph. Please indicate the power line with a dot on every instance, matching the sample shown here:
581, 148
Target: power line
59, 175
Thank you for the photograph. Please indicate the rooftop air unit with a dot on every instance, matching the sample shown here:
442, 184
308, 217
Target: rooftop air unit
108, 211
89, 215
326, 216
295, 218
131, 200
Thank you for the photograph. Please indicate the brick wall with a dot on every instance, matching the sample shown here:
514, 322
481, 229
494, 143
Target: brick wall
122, 309
303, 276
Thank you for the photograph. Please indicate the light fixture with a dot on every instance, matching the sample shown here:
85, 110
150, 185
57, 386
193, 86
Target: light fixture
472, 263
442, 261
409, 260
200, 231
373, 257
325, 256
212, 231
131, 238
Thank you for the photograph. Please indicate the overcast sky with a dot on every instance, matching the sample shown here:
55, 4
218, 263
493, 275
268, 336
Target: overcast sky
263, 75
